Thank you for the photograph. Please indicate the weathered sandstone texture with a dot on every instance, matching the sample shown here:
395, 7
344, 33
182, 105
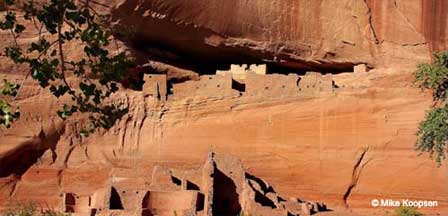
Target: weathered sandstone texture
321, 34
219, 187
341, 135
338, 139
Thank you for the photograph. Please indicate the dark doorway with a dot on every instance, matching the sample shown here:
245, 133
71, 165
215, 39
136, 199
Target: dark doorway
115, 200
225, 197
70, 202
146, 205
239, 86
200, 202
192, 186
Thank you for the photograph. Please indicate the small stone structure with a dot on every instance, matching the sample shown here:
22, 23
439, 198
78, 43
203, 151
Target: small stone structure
183, 202
271, 85
155, 85
314, 82
241, 71
219, 187
242, 80
84, 204
207, 85
361, 68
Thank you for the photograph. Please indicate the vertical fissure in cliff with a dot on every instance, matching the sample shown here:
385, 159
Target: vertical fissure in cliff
356, 173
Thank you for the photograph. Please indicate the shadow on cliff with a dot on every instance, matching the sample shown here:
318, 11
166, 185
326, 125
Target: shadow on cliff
225, 198
199, 48
19, 159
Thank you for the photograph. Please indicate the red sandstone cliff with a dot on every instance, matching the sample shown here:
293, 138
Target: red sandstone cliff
326, 34
342, 147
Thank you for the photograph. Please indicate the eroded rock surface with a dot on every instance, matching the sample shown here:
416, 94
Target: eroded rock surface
330, 136
342, 140
326, 35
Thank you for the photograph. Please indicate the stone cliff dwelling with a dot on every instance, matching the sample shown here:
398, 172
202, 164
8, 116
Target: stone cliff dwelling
242, 80
309, 107
221, 187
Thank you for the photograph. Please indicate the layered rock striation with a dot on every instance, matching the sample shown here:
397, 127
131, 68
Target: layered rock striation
319, 35
340, 136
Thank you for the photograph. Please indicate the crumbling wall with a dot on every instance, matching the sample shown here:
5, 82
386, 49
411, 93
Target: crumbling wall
129, 196
172, 72
169, 193
207, 85
163, 179
240, 80
83, 203
235, 192
269, 85
272, 85
221, 186
228, 179
361, 68
240, 72
77, 204
155, 85
313, 82
170, 202
70, 202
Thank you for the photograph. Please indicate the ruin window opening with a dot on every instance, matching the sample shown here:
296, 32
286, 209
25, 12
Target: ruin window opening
225, 197
176, 181
146, 211
192, 186
70, 202
264, 187
115, 200
298, 82
333, 83
200, 202
93, 212
159, 95
263, 200
239, 86
145, 200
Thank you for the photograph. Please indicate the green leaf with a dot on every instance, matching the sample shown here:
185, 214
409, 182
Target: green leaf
54, 62
10, 20
9, 88
19, 28
85, 27
66, 111
9, 2
84, 133
15, 54
433, 130
6, 117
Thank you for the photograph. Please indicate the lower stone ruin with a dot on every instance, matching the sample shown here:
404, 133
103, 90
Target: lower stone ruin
219, 187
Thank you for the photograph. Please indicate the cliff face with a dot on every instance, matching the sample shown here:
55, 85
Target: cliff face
341, 139
314, 34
